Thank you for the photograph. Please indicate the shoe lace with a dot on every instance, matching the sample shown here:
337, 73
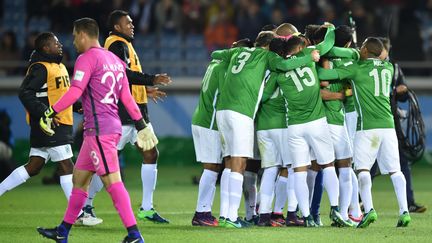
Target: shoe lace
89, 210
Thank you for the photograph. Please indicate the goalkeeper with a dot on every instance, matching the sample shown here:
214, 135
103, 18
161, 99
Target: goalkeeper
100, 78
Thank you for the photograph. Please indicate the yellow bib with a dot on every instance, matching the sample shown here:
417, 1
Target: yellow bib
138, 91
58, 84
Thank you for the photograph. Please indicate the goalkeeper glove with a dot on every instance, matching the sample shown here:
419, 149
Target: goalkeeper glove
146, 139
46, 121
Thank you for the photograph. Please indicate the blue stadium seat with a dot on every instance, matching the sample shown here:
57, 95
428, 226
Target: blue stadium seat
170, 41
194, 41
145, 41
150, 70
39, 24
195, 71
170, 54
173, 71
197, 54
147, 55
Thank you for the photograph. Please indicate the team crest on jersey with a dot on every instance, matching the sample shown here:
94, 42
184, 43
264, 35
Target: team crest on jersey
79, 75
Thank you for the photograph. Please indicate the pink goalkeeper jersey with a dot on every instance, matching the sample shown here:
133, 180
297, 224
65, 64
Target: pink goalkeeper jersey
102, 78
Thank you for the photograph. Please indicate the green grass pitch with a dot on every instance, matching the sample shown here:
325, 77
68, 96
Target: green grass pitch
33, 204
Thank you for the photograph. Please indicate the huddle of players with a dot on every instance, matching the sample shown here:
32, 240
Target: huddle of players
297, 109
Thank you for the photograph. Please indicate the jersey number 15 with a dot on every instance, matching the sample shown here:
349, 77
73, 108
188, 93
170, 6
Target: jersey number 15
301, 72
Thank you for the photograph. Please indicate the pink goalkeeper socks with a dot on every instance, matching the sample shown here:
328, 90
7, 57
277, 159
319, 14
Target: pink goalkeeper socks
121, 201
75, 204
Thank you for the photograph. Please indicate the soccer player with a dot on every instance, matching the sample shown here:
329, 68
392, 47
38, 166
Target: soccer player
375, 137
308, 130
206, 138
237, 106
399, 85
46, 81
119, 42
333, 94
100, 78
270, 122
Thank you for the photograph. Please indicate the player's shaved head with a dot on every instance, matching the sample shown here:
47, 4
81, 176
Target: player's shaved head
42, 40
88, 26
263, 39
269, 27
286, 29
343, 35
373, 46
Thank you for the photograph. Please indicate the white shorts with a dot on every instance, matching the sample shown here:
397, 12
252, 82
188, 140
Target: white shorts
271, 147
207, 145
55, 154
341, 142
376, 144
129, 135
351, 124
313, 135
237, 133
256, 150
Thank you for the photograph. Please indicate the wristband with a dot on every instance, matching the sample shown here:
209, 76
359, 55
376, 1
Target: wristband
140, 124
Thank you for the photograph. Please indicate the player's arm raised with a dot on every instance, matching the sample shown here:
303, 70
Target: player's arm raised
325, 46
146, 139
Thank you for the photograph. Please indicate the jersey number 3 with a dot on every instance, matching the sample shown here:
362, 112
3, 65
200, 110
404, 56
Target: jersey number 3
242, 59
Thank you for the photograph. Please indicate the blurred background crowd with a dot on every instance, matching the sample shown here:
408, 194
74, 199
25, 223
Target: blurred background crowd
170, 31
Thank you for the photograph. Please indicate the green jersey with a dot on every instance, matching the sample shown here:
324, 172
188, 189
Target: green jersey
205, 112
334, 108
371, 80
245, 74
349, 104
346, 54
301, 90
272, 113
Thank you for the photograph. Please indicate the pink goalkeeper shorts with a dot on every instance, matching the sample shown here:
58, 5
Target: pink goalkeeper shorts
99, 154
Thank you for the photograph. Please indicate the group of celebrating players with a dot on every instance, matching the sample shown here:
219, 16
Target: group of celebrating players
309, 104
